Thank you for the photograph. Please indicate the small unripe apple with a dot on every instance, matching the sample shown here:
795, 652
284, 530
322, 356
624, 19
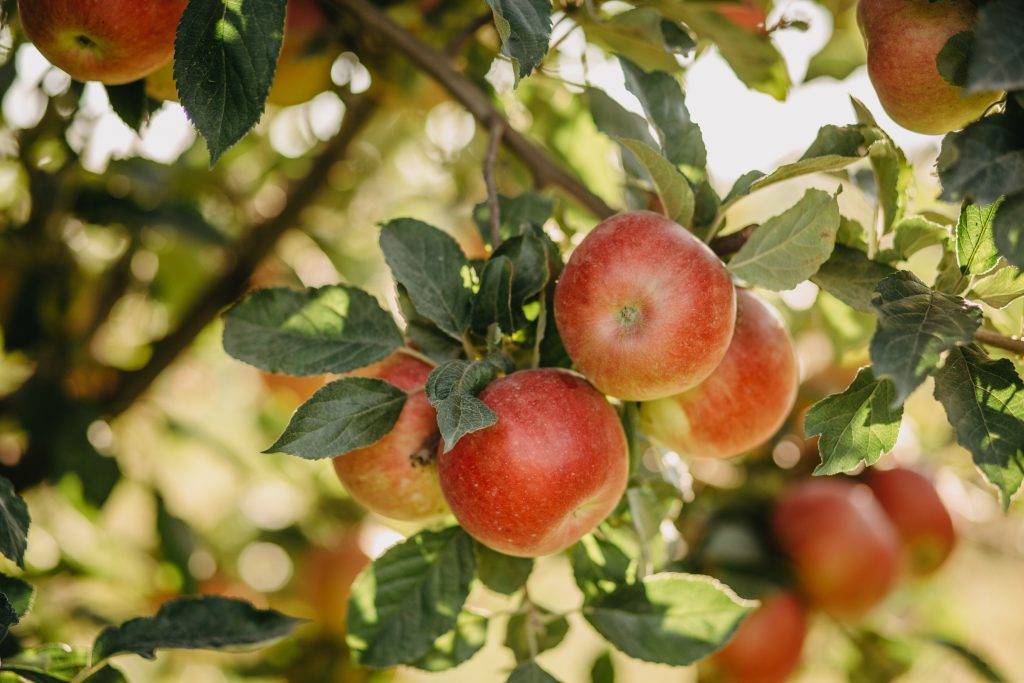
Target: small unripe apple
397, 476
767, 646
552, 467
844, 550
921, 519
744, 401
111, 41
644, 308
904, 38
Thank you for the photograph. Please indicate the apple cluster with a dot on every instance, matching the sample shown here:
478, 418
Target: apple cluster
121, 41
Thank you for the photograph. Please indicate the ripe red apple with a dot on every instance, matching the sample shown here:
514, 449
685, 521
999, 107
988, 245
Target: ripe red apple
915, 509
303, 67
744, 401
297, 389
112, 41
552, 467
397, 476
904, 38
844, 550
767, 646
325, 578
644, 308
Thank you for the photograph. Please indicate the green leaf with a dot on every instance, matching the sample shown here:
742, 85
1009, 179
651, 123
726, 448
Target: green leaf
49, 663
8, 616
612, 119
954, 58
225, 55
858, 425
603, 669
850, 276
536, 631
1009, 230
20, 593
452, 389
998, 60
493, 302
916, 325
500, 572
457, 646
525, 30
600, 567
429, 264
914, 233
789, 248
985, 160
14, 521
669, 618
893, 173
841, 141
1001, 288
844, 51
409, 597
206, 622
976, 251
531, 269
664, 103
984, 401
530, 672
673, 189
131, 104
330, 329
342, 416
640, 35
516, 214
978, 663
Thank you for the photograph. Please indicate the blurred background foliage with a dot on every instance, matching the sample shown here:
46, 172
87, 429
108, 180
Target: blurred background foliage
140, 492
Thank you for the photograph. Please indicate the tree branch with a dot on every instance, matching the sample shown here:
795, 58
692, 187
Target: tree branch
1011, 344
490, 161
249, 252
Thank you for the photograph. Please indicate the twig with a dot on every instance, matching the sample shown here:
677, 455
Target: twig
497, 131
249, 252
545, 170
1012, 344
727, 245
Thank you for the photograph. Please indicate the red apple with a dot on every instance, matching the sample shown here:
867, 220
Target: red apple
552, 467
325, 578
112, 41
844, 550
644, 308
747, 14
767, 646
744, 401
904, 38
297, 389
397, 476
915, 509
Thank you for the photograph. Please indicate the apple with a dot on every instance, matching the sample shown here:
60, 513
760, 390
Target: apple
397, 476
904, 38
297, 389
767, 646
744, 401
844, 550
325, 577
113, 41
303, 67
644, 308
552, 467
915, 509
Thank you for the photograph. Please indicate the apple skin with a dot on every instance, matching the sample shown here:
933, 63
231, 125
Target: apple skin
747, 14
744, 401
552, 467
921, 519
904, 38
397, 476
768, 644
844, 550
303, 72
644, 308
111, 41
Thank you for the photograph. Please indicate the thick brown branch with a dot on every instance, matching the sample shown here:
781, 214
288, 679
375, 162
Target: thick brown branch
545, 170
490, 161
1011, 344
248, 254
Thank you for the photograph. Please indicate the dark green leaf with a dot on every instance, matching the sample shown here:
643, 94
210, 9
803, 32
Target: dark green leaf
612, 119
673, 189
978, 663
8, 616
893, 174
998, 60
452, 390
985, 160
525, 30
131, 104
857, 426
330, 329
975, 244
850, 276
197, 623
493, 303
409, 597
429, 264
342, 416
536, 631
14, 521
664, 103
456, 646
840, 141
516, 214
20, 593
1009, 230
225, 55
984, 401
530, 672
603, 669
955, 57
789, 248
531, 267
500, 572
600, 567
916, 325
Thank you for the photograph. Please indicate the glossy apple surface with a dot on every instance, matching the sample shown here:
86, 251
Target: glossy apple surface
767, 646
644, 308
744, 401
552, 467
